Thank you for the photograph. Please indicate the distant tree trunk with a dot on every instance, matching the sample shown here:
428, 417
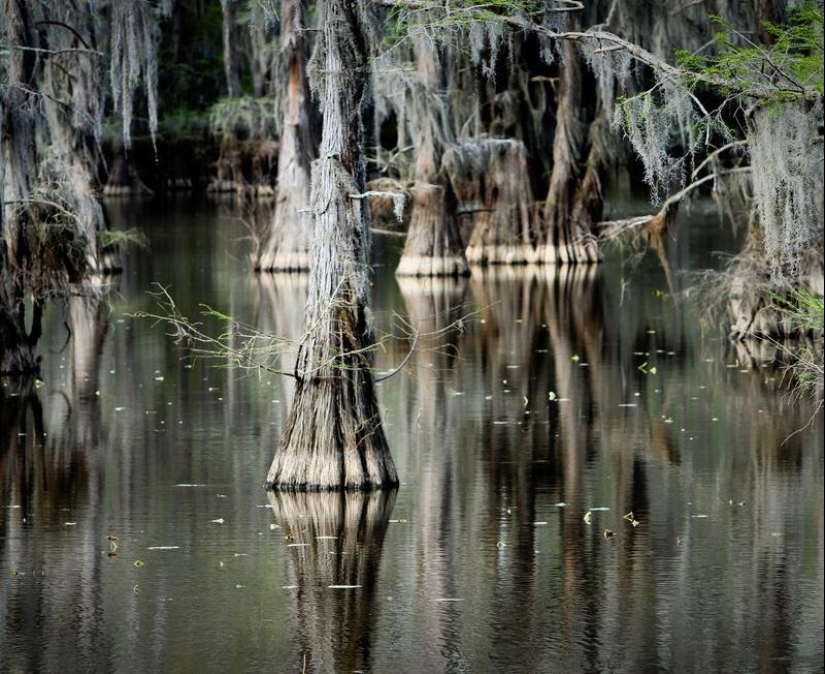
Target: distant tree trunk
491, 180
231, 47
287, 244
433, 246
333, 437
567, 239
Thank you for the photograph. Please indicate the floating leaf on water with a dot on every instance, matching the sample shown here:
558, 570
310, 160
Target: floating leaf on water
501, 545
652, 370
343, 587
608, 533
526, 401
539, 524
164, 547
139, 563
574, 358
635, 523
588, 517
628, 516
273, 526
219, 520
69, 524
551, 395
561, 504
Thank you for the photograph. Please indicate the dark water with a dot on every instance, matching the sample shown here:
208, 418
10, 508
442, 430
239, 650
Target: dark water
567, 392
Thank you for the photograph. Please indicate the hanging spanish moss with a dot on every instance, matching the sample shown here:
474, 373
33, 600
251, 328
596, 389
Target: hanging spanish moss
786, 152
134, 40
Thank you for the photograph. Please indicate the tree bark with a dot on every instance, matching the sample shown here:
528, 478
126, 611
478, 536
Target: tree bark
287, 244
566, 239
433, 246
333, 438
491, 180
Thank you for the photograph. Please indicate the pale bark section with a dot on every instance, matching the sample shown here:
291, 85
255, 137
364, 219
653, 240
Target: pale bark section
287, 245
333, 437
89, 313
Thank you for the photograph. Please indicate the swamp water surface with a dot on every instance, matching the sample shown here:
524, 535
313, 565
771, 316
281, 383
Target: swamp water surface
135, 535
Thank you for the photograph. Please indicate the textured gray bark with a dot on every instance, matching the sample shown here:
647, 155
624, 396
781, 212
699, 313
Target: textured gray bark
333, 437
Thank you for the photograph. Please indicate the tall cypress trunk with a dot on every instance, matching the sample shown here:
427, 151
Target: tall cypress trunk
433, 246
18, 166
333, 437
567, 239
287, 244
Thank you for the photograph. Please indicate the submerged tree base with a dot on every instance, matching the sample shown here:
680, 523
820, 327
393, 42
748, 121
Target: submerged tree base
333, 439
284, 261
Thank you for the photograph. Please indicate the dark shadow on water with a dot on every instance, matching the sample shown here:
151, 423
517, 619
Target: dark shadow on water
335, 544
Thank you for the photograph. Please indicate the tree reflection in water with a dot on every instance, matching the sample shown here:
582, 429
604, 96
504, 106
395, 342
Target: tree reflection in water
335, 542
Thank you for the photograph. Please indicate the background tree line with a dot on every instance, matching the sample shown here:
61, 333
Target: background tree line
501, 124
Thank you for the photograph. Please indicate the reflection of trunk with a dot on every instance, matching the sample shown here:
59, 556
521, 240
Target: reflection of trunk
434, 246
333, 438
337, 539
491, 179
568, 239
17, 348
288, 240
89, 323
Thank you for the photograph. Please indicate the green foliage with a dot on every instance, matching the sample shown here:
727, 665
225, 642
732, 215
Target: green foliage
789, 68
805, 310
123, 238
